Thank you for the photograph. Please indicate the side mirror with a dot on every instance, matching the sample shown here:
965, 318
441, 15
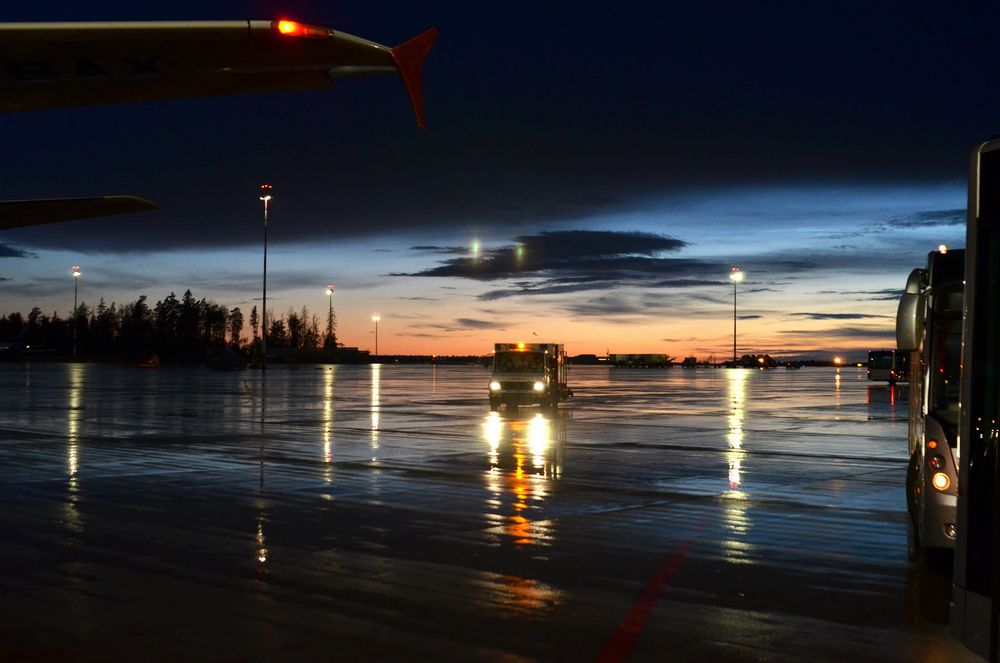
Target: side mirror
909, 322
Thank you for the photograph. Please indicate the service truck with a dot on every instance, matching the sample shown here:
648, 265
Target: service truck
528, 374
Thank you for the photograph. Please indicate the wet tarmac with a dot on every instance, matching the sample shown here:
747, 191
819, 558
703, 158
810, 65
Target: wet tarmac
383, 513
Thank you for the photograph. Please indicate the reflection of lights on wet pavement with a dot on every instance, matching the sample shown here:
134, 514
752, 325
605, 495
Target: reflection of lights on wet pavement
73, 518
376, 370
328, 380
493, 432
519, 468
519, 595
734, 518
538, 440
736, 521
261, 549
737, 385
73, 419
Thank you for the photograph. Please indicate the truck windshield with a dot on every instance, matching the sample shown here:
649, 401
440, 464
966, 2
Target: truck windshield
518, 362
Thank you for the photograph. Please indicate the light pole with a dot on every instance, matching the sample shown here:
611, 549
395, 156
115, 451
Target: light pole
736, 276
265, 196
375, 319
329, 315
76, 281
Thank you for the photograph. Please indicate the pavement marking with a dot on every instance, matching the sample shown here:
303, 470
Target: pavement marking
617, 647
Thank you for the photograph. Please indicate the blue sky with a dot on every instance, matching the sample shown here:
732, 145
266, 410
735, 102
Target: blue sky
823, 264
822, 148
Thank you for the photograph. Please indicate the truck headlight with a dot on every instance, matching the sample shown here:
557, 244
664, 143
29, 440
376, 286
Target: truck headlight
539, 386
494, 386
941, 481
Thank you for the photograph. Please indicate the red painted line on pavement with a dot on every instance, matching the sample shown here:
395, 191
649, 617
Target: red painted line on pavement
620, 644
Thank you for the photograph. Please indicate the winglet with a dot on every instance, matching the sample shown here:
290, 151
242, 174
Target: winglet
409, 60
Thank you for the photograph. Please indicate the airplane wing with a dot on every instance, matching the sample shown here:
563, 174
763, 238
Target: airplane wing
21, 213
52, 65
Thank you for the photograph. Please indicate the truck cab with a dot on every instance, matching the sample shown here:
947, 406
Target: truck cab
528, 374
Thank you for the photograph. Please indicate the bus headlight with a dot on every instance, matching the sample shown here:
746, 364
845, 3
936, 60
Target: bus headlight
940, 481
539, 386
494, 386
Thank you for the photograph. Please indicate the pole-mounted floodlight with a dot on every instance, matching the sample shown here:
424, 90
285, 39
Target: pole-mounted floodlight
76, 323
329, 315
736, 276
265, 196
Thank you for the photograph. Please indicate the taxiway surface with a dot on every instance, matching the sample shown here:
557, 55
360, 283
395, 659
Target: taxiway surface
382, 513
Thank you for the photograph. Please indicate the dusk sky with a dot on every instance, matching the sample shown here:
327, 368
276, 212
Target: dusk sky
589, 175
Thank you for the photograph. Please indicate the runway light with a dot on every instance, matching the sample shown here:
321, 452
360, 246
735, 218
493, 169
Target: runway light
296, 29
941, 481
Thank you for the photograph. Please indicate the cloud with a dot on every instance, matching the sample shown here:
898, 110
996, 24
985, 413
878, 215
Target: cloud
885, 333
931, 218
838, 316
588, 251
11, 251
470, 323
602, 281
886, 294
749, 317
430, 248
621, 308
462, 324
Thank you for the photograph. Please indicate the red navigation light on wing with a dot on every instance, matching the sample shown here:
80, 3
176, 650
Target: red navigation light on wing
296, 29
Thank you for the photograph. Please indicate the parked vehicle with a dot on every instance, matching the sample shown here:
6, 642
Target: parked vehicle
929, 329
888, 366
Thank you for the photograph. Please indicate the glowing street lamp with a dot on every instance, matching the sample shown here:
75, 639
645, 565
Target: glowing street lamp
265, 196
736, 276
375, 319
76, 323
329, 315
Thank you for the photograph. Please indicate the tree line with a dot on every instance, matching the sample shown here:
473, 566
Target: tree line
176, 329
